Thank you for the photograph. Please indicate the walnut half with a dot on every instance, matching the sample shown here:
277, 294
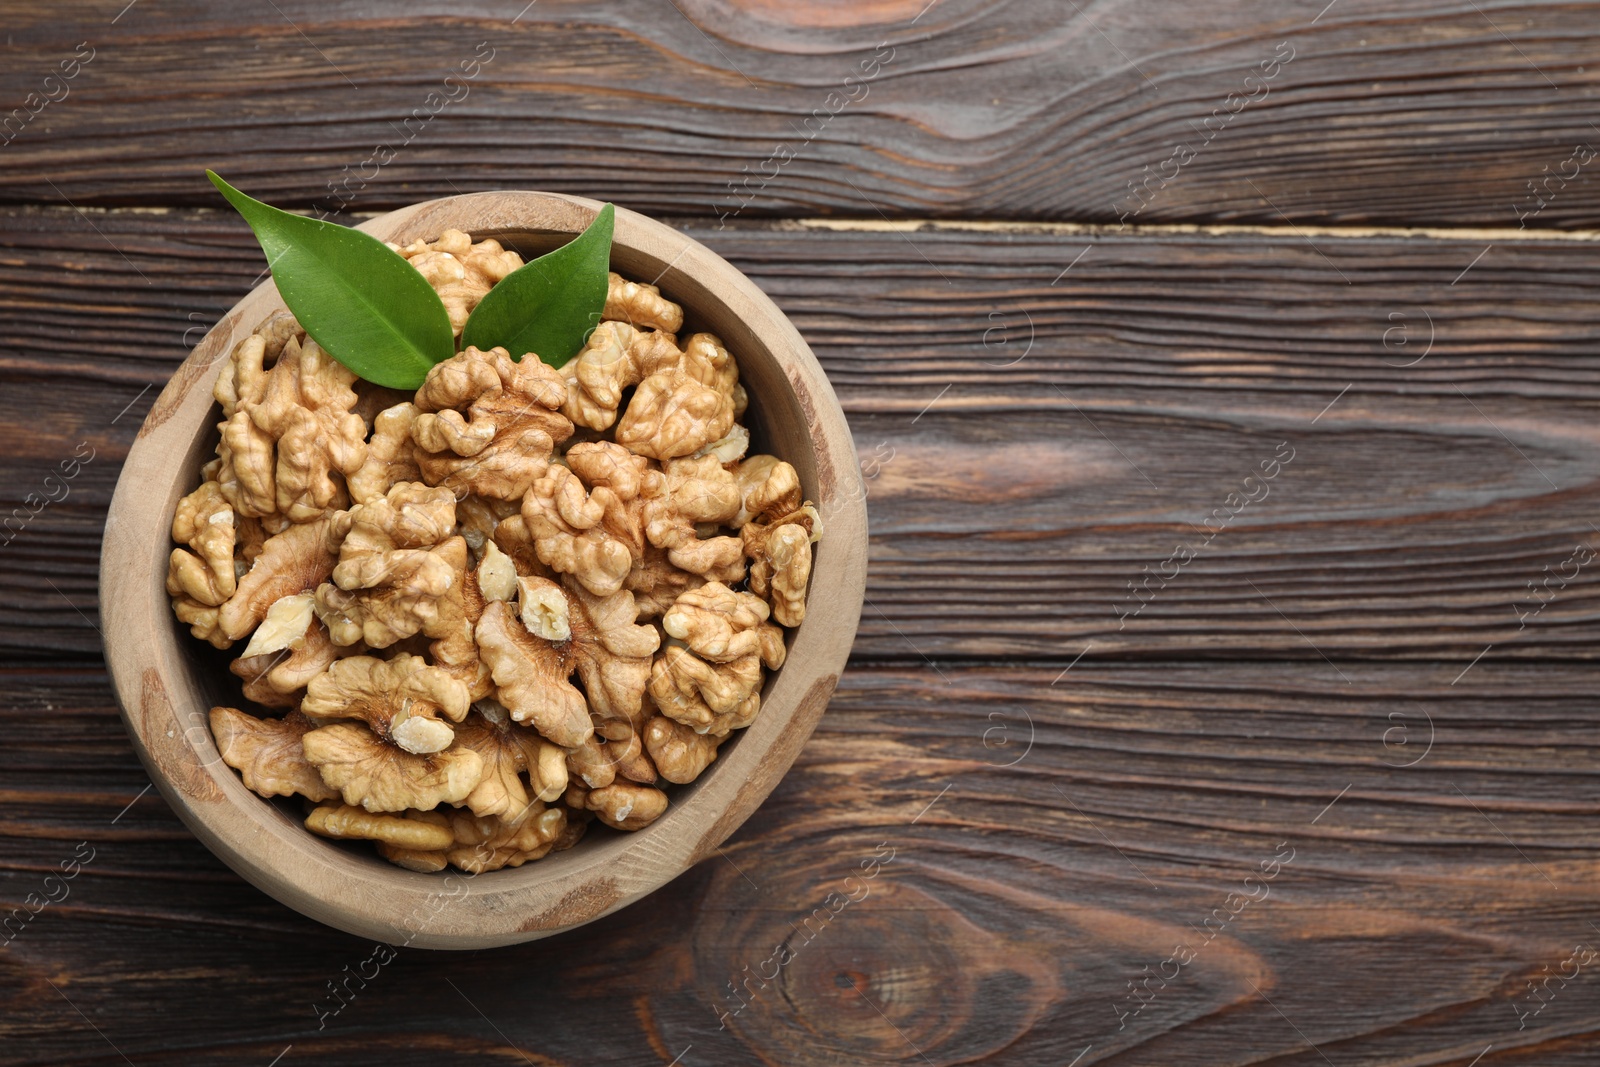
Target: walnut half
398, 699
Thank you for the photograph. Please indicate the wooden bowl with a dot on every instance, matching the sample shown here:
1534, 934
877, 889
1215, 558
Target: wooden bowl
167, 681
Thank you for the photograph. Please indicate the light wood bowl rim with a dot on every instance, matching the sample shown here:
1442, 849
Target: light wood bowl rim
165, 714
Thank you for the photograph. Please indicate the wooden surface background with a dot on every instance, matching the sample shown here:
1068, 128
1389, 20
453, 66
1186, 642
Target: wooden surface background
1328, 797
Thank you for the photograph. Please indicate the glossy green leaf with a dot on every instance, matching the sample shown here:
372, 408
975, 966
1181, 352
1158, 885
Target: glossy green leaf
364, 304
549, 305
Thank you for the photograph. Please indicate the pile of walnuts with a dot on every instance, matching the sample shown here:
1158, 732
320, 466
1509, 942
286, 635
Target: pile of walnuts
522, 599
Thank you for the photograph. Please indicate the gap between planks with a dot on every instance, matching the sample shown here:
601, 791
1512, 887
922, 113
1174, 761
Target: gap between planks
1089, 229
1288, 231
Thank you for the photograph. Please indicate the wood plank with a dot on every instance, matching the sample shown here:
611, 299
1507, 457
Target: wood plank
1050, 839
1032, 448
1361, 112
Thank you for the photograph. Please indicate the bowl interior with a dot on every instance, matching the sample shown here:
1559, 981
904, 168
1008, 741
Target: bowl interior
210, 666
792, 414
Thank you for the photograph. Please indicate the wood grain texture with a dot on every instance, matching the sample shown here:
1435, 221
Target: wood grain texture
1106, 416
1427, 112
1042, 841
1341, 671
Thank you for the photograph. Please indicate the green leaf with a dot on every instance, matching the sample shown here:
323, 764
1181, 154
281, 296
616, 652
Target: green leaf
364, 304
549, 305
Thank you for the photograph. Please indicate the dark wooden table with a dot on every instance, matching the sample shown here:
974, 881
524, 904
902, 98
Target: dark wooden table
1225, 379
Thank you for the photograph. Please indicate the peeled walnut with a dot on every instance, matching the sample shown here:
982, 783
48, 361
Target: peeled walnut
272, 567
680, 754
394, 566
488, 843
267, 753
604, 646
508, 751
532, 677
412, 859
588, 763
712, 698
768, 488
389, 455
275, 331
289, 432
380, 776
390, 535
707, 360
672, 414
626, 805
399, 699
718, 625
563, 518
685, 401
459, 271
286, 661
640, 305
201, 620
679, 410
429, 860
627, 482
204, 573
407, 831
290, 562
488, 424
610, 652
697, 493
781, 569
615, 751
627, 754
780, 561
614, 358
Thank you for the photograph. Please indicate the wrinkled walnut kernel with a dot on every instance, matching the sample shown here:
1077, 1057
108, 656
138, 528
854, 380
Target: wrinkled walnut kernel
267, 754
626, 805
380, 776
396, 562
205, 573
397, 831
718, 625
459, 271
508, 751
290, 433
291, 562
488, 424
712, 698
680, 754
489, 843
640, 305
397, 698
